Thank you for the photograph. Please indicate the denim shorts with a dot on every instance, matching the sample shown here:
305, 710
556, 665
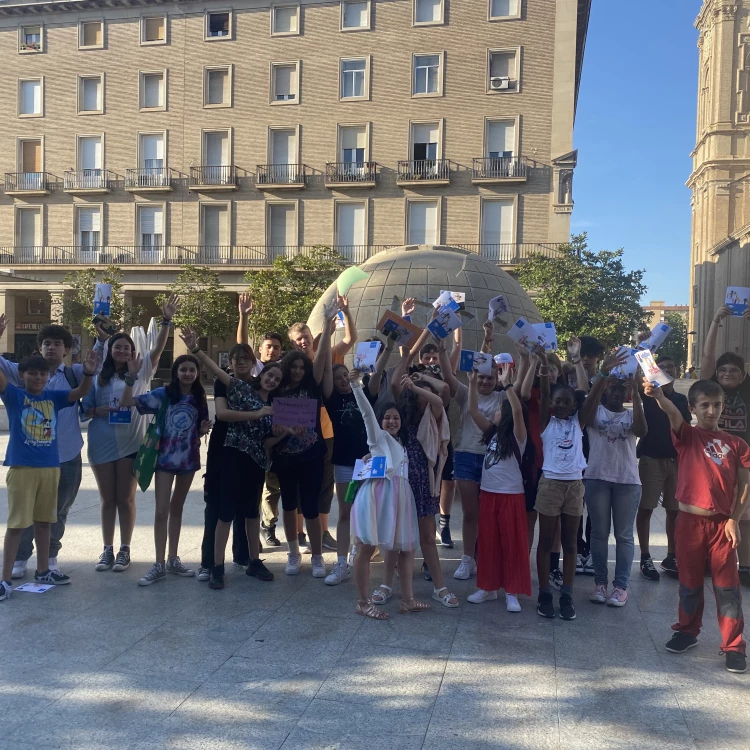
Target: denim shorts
342, 474
467, 467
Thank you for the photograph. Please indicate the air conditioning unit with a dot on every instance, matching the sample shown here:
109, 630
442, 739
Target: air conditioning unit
499, 83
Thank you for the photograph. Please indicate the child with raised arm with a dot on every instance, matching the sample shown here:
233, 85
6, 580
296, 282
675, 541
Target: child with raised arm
34, 462
712, 490
503, 560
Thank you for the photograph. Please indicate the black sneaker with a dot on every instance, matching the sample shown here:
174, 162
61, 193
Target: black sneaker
259, 571
302, 541
544, 605
679, 643
6, 589
669, 564
444, 529
745, 576
328, 541
269, 534
106, 560
241, 563
51, 576
648, 570
736, 662
122, 561
216, 581
567, 610
426, 571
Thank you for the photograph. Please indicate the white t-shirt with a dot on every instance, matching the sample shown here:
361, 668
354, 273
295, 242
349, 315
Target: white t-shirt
612, 447
562, 442
257, 368
502, 475
470, 437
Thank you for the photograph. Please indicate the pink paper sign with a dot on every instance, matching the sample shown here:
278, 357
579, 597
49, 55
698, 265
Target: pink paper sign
295, 412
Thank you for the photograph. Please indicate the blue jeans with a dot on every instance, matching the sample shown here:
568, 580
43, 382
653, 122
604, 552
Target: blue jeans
610, 504
67, 489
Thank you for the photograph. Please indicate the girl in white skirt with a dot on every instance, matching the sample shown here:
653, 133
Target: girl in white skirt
384, 513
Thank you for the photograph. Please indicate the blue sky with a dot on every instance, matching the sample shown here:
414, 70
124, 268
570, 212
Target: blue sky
635, 129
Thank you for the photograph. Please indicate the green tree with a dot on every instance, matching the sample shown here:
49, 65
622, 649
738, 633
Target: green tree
205, 305
287, 292
78, 300
584, 292
676, 344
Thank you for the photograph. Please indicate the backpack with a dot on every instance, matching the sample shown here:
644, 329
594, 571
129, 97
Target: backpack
70, 376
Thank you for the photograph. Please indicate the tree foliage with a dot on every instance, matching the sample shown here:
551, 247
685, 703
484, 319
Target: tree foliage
287, 292
676, 344
78, 300
205, 305
583, 292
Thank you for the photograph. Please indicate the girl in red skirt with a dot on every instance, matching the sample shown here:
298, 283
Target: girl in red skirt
503, 561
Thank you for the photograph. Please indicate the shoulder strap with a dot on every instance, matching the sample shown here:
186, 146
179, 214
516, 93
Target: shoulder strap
70, 376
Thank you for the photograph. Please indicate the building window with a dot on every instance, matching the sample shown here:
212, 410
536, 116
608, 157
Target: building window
285, 83
217, 87
351, 228
353, 145
30, 38
696, 295
91, 94
89, 229
152, 154
30, 156
355, 78
91, 35
217, 155
500, 10
285, 20
150, 222
218, 25
154, 30
154, 90
281, 227
89, 155
497, 226
422, 222
215, 225
425, 141
502, 71
29, 227
500, 139
31, 97
428, 12
427, 77
355, 16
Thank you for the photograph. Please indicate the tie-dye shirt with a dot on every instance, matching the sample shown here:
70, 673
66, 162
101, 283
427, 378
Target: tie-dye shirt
179, 447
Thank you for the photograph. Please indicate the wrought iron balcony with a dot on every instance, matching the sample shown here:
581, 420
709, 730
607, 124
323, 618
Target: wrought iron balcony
27, 183
148, 179
213, 178
425, 172
351, 174
500, 169
279, 176
88, 181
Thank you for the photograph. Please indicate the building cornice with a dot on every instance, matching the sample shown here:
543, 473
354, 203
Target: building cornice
730, 240
582, 27
729, 162
62, 6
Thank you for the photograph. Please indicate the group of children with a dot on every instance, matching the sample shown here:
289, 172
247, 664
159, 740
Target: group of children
541, 441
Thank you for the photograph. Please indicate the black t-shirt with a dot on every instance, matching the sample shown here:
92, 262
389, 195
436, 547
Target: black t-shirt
310, 445
657, 443
735, 419
349, 434
212, 477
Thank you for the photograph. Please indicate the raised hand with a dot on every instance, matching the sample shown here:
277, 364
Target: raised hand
406, 383
331, 310
652, 390
342, 302
721, 313
488, 331
134, 364
189, 337
522, 349
408, 306
3, 323
541, 353
574, 347
90, 362
355, 377
101, 334
612, 360
169, 308
245, 304
504, 373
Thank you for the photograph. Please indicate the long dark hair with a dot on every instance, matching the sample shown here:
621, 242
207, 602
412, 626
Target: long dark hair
239, 350
408, 405
504, 432
403, 433
110, 368
174, 394
308, 381
254, 382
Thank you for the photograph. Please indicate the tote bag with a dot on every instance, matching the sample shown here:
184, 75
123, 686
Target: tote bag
148, 453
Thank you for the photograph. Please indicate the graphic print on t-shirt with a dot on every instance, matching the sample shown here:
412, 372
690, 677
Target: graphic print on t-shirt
39, 423
716, 450
181, 418
734, 417
614, 429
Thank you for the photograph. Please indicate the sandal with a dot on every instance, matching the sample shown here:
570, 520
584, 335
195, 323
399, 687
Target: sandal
381, 597
447, 599
366, 609
415, 606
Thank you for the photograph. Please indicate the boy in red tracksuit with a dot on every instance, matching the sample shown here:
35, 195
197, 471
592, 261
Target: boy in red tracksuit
712, 471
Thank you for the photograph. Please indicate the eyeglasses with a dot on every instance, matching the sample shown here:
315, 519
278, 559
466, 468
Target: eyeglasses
729, 371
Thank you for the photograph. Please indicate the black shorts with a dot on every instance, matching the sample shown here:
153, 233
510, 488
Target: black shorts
447, 475
241, 485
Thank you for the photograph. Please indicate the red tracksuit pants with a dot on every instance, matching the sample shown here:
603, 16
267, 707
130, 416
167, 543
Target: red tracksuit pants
503, 559
698, 538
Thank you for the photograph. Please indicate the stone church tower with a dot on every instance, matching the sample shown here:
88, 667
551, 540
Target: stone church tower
720, 181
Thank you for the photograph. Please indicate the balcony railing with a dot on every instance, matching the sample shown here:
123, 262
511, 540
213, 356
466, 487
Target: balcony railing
149, 177
350, 172
510, 253
281, 174
27, 182
500, 168
213, 176
88, 179
425, 170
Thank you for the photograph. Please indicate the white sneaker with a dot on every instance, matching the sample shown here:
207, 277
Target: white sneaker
341, 572
292, 564
352, 555
480, 595
511, 603
466, 569
19, 569
318, 566
203, 574
52, 564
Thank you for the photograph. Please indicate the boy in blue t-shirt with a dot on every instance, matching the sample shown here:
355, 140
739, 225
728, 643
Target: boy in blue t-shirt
33, 460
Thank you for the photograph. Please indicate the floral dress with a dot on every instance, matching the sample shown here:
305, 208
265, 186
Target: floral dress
419, 477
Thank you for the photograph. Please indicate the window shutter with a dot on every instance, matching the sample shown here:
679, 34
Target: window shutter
428, 10
217, 149
153, 86
31, 156
217, 83
423, 223
286, 20
284, 147
497, 222
90, 150
91, 88
282, 218
31, 97
286, 80
31, 222
151, 220
351, 224
89, 220
501, 137
355, 15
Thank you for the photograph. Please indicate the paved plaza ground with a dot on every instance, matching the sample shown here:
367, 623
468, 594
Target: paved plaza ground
103, 663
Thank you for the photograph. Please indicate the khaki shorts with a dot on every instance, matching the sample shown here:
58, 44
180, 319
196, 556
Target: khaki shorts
659, 479
32, 495
556, 496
